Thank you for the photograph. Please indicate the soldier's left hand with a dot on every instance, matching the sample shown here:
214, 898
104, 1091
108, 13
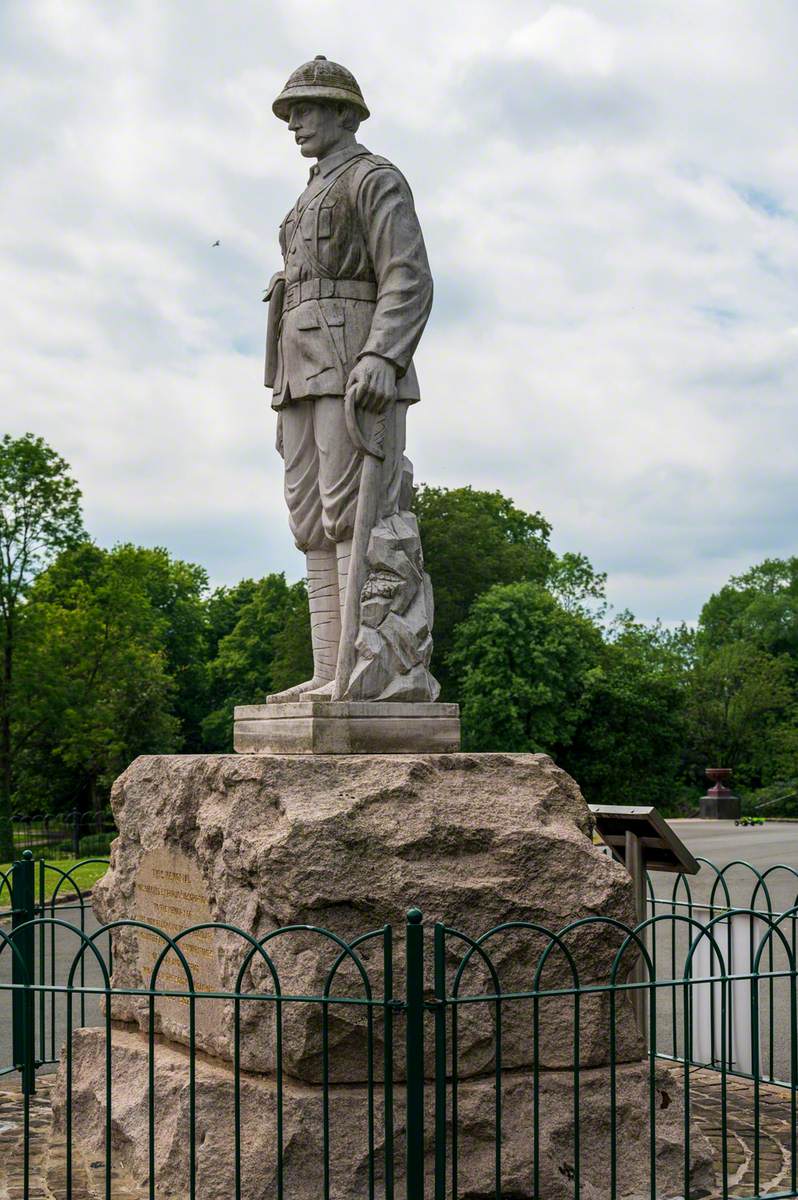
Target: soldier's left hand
374, 382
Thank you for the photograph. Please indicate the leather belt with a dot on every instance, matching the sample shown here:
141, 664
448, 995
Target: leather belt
328, 289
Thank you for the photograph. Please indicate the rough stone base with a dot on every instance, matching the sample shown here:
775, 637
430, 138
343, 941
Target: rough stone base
349, 1158
350, 843
325, 727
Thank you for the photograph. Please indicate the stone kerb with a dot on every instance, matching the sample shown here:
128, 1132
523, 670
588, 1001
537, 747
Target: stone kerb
348, 843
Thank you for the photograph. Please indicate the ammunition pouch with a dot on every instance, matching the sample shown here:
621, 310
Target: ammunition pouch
275, 297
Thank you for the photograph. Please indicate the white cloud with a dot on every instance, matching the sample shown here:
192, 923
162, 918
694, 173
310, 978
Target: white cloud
571, 39
609, 199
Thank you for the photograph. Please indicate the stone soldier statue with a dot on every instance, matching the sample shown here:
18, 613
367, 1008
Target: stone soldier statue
345, 316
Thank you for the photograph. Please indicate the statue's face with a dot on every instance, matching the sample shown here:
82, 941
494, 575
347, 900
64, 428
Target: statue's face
317, 127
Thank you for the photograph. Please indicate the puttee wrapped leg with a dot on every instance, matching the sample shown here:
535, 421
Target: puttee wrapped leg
343, 553
325, 624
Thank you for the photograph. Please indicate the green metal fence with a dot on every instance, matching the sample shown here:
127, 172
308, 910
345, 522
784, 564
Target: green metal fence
35, 889
739, 904
443, 1063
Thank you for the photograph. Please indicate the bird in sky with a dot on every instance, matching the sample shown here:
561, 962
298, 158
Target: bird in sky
216, 243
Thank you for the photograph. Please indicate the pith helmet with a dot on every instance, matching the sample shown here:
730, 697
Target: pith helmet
320, 80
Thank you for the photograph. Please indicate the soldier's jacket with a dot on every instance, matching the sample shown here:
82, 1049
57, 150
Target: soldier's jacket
357, 279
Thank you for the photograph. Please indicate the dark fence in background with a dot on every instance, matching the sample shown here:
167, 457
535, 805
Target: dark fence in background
64, 835
456, 1099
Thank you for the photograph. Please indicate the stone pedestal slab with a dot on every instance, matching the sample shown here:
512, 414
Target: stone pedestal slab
327, 727
720, 808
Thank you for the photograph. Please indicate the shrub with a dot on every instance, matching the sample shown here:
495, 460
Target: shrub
96, 844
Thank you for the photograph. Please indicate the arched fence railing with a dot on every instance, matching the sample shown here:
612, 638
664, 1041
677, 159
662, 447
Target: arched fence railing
260, 1025
46, 889
739, 902
419, 1061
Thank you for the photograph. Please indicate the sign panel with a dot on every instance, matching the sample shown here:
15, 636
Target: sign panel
660, 848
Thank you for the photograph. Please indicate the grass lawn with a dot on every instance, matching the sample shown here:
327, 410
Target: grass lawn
84, 877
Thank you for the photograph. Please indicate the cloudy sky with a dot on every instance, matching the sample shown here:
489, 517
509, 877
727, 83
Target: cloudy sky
609, 193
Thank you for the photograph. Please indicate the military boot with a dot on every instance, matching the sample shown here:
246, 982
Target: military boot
343, 552
325, 626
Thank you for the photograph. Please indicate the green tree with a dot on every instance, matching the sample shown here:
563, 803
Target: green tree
783, 751
523, 665
177, 591
222, 610
293, 651
744, 708
577, 585
759, 607
740, 705
292, 656
473, 540
39, 516
256, 655
94, 675
628, 746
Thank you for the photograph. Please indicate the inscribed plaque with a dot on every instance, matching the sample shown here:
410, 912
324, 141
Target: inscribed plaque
170, 894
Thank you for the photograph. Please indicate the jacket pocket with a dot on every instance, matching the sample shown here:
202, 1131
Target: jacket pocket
334, 317
333, 312
307, 320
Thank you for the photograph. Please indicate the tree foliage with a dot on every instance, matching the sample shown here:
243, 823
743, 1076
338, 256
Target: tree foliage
472, 541
744, 698
523, 665
572, 580
108, 654
759, 607
628, 747
739, 701
176, 590
40, 515
535, 675
262, 651
94, 677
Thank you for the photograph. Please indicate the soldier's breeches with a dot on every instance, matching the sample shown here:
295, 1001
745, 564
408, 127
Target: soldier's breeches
322, 468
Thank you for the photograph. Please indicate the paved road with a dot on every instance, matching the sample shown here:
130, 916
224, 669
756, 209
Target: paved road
722, 841
764, 846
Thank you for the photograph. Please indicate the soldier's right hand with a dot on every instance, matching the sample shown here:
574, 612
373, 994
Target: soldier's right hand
373, 380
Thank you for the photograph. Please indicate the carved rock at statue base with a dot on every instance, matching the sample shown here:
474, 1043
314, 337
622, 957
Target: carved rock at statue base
349, 843
348, 1113
394, 645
